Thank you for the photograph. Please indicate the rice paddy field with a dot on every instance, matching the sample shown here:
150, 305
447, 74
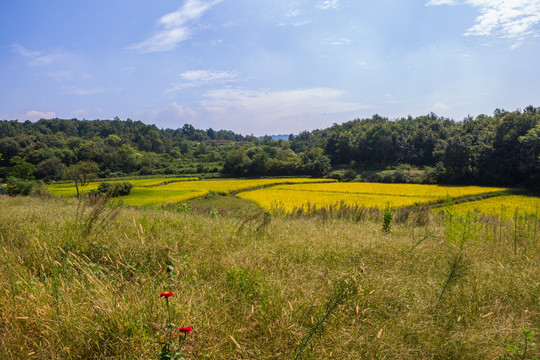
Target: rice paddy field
152, 192
290, 198
300, 194
68, 189
503, 206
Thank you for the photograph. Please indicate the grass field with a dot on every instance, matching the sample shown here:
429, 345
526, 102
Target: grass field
291, 197
82, 281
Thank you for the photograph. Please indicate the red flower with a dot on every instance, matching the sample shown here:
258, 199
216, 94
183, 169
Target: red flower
166, 294
185, 329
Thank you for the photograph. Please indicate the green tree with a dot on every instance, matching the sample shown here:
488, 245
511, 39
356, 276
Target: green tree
21, 169
236, 163
9, 148
530, 156
457, 160
82, 173
314, 162
50, 169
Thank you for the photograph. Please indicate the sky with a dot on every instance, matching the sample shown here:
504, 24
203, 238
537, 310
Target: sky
266, 67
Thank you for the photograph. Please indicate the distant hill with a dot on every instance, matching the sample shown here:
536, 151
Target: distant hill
275, 137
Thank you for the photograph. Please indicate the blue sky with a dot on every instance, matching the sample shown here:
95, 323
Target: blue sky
266, 67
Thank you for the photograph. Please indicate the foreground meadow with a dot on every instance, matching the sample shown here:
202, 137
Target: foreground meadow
82, 281
292, 198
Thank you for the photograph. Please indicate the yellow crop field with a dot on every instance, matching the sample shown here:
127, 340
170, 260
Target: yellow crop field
503, 206
69, 189
290, 197
187, 190
229, 186
150, 192
157, 195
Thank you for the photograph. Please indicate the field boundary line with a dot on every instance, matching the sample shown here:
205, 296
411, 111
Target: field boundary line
477, 197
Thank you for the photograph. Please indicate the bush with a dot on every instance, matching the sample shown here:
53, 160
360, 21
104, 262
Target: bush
114, 189
16, 186
342, 175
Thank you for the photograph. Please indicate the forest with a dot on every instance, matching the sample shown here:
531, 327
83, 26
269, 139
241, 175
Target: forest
502, 149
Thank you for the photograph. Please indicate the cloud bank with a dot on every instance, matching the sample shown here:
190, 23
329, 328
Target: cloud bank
172, 116
34, 115
278, 111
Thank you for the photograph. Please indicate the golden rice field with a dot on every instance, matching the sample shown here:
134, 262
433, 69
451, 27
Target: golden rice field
503, 206
299, 193
180, 189
158, 195
68, 189
293, 197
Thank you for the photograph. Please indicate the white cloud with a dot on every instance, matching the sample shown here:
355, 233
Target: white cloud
206, 75
71, 90
295, 23
293, 13
81, 112
512, 19
341, 41
195, 78
364, 64
36, 58
441, 2
174, 26
34, 115
278, 111
172, 116
328, 5
61, 75
440, 107
163, 41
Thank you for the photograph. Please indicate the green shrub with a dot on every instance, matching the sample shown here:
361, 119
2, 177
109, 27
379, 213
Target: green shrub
387, 220
342, 175
16, 186
114, 189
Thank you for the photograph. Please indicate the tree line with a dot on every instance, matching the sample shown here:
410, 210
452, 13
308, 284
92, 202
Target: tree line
501, 149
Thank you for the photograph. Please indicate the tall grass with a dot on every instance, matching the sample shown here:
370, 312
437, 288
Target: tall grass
261, 287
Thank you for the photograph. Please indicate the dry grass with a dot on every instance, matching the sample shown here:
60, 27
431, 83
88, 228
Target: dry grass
255, 288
